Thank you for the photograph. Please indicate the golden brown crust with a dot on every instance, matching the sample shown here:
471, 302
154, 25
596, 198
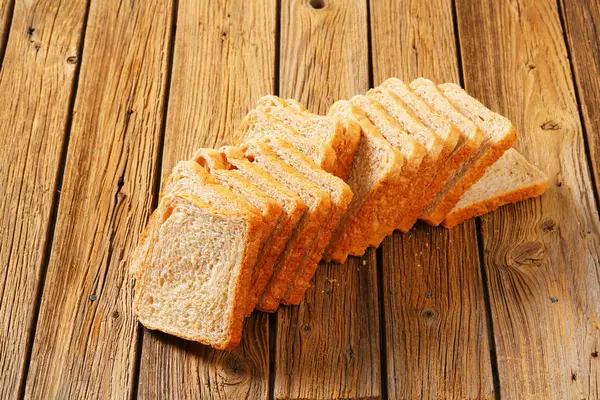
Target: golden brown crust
488, 205
475, 173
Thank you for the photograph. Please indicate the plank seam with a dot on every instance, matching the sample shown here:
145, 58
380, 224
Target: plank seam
586, 144
488, 309
479, 234
6, 31
378, 251
47, 251
157, 178
272, 320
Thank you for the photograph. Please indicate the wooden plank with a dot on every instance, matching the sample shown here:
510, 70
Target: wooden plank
224, 61
6, 9
581, 19
328, 346
541, 256
36, 82
435, 323
86, 339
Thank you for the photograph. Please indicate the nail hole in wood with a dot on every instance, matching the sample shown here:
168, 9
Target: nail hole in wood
316, 4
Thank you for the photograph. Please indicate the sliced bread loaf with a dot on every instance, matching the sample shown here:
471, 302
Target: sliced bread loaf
340, 196
215, 162
197, 271
508, 180
293, 207
374, 177
499, 134
326, 129
469, 144
300, 246
258, 124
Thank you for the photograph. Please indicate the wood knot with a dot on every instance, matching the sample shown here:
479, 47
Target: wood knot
316, 4
550, 126
72, 60
530, 67
595, 354
115, 314
428, 294
526, 254
428, 314
349, 352
328, 291
234, 369
554, 299
549, 225
307, 328
30, 31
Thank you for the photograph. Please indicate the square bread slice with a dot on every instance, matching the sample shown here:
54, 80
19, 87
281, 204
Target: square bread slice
300, 246
258, 124
510, 179
375, 178
197, 271
340, 196
293, 207
470, 141
216, 164
499, 135
437, 148
326, 129
189, 177
418, 164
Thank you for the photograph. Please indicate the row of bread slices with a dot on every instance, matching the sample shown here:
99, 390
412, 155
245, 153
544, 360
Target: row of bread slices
245, 226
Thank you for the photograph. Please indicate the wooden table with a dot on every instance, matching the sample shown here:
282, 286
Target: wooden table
100, 98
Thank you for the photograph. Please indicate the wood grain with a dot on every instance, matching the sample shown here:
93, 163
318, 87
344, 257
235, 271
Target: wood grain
86, 339
436, 340
541, 256
224, 60
6, 9
581, 25
36, 82
328, 347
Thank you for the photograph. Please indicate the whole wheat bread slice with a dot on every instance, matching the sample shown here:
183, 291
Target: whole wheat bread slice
293, 208
216, 164
326, 129
189, 177
300, 245
375, 179
510, 179
499, 134
258, 124
340, 196
197, 271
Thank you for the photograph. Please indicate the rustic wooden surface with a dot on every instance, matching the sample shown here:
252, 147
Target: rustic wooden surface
99, 99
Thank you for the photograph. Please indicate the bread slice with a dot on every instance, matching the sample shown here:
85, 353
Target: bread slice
215, 162
340, 196
258, 124
414, 154
329, 130
197, 271
499, 134
468, 145
437, 148
293, 208
189, 177
300, 246
508, 180
375, 179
